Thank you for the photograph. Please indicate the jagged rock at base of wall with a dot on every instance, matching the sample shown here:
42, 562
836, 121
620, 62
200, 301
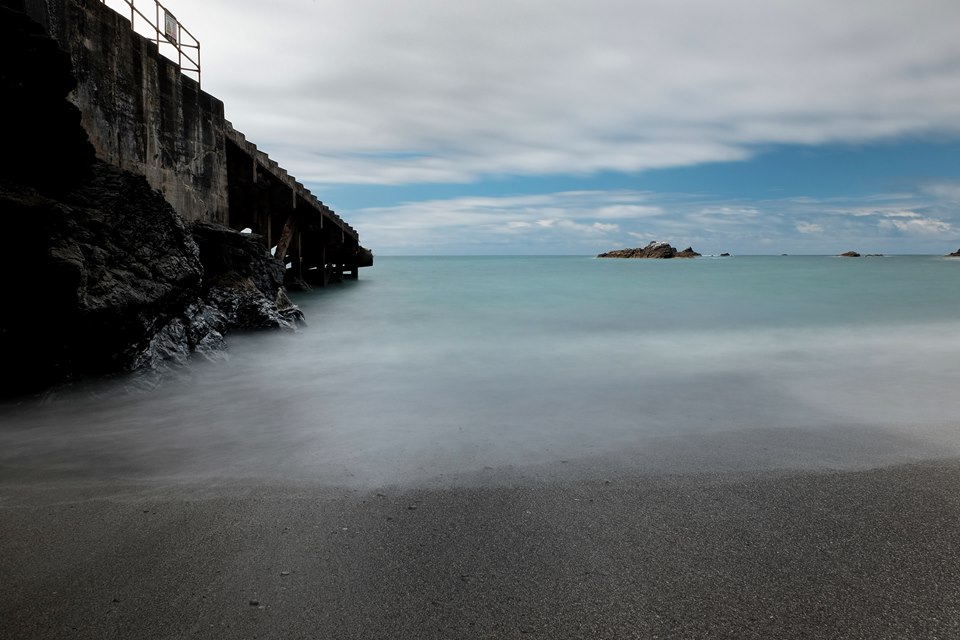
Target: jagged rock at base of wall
98, 273
108, 278
227, 254
242, 279
661, 250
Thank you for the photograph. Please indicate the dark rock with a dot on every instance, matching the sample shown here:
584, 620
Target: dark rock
653, 250
724, 255
44, 145
113, 283
242, 280
955, 254
850, 254
228, 256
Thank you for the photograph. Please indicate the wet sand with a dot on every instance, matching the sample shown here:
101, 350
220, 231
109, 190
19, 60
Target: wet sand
602, 553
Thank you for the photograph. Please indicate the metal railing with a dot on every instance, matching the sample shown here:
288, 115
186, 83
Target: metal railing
167, 32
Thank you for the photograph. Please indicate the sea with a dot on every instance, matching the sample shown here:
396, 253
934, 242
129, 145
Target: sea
509, 369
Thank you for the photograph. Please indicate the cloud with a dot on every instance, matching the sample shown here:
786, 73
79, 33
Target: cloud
944, 191
749, 212
431, 91
921, 226
629, 211
580, 222
809, 227
564, 222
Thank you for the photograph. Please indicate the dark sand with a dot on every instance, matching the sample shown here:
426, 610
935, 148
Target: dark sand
854, 554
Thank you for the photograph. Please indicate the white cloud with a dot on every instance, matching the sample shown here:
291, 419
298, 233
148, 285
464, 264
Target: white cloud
379, 92
628, 211
809, 227
921, 226
561, 220
576, 222
604, 227
944, 191
749, 212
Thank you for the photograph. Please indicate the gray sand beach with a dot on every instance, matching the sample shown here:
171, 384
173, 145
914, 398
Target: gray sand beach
573, 550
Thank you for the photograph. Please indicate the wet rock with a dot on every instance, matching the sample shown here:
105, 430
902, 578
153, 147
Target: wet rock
111, 283
849, 254
242, 280
659, 250
228, 256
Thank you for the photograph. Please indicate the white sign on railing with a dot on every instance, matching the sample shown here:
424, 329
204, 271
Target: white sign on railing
170, 27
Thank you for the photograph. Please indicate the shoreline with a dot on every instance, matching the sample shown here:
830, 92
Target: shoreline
866, 553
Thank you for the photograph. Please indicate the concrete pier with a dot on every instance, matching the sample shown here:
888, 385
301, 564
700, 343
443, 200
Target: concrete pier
144, 115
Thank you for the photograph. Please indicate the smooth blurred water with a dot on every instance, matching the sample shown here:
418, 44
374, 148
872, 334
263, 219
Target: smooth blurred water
429, 366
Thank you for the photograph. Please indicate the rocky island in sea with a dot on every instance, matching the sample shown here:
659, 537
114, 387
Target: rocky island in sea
659, 250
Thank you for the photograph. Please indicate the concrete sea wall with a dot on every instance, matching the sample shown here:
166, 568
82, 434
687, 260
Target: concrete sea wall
140, 112
143, 115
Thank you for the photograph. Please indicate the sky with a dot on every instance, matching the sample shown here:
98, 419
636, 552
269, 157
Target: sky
578, 126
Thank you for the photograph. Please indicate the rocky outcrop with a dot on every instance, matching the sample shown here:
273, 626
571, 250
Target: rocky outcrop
242, 279
652, 250
955, 254
100, 274
108, 277
849, 254
96, 275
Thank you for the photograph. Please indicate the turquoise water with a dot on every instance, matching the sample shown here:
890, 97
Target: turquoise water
442, 366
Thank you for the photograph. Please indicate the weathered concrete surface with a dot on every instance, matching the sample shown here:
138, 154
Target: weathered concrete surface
143, 115
140, 112
307, 235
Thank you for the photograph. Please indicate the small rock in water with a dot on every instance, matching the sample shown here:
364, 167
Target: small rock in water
254, 603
